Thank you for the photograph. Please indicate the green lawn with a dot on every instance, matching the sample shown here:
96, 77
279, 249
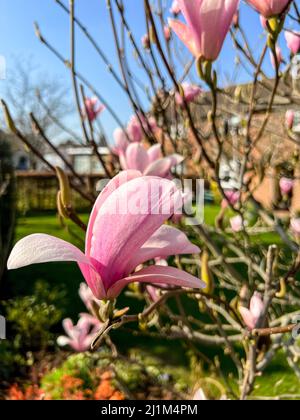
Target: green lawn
279, 378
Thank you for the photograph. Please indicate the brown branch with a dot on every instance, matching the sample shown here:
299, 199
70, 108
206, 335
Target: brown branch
264, 332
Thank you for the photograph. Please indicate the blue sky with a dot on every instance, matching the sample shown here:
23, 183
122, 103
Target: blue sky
17, 39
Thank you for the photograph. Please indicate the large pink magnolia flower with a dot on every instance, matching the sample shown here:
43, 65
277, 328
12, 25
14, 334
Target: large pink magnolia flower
92, 108
149, 162
79, 337
293, 41
269, 8
125, 230
208, 22
252, 315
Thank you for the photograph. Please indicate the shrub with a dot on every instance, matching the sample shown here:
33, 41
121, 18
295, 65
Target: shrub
31, 318
7, 201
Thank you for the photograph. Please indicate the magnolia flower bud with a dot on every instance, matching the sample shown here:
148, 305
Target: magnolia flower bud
206, 274
8, 118
60, 207
289, 119
64, 186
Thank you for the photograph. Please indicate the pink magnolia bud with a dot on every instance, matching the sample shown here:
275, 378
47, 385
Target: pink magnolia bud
208, 22
232, 197
286, 185
289, 119
134, 130
191, 92
121, 142
236, 223
252, 315
92, 108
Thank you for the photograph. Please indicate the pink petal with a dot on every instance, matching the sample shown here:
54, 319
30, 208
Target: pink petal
186, 35
153, 293
157, 275
191, 12
126, 220
236, 223
137, 157
93, 280
68, 325
154, 153
121, 141
295, 225
256, 305
176, 159
166, 241
40, 248
199, 395
159, 168
70, 328
248, 318
62, 341
216, 18
114, 184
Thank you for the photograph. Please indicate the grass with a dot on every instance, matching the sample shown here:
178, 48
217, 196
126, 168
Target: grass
278, 379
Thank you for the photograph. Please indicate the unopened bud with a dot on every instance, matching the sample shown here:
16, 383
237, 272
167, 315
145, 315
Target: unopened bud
152, 35
38, 32
209, 116
64, 187
60, 207
238, 94
282, 291
8, 118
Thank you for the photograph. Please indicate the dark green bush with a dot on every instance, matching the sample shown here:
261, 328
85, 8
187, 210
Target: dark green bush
31, 327
31, 318
7, 201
